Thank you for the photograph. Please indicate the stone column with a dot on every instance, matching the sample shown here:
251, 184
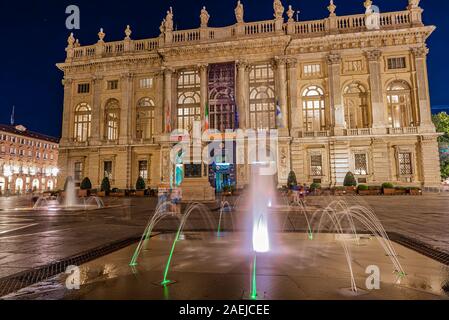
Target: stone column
204, 82
422, 88
281, 86
241, 92
335, 97
97, 123
67, 122
378, 109
168, 124
296, 118
126, 108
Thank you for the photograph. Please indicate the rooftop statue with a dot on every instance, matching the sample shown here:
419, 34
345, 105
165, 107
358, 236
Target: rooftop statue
239, 12
278, 9
204, 17
169, 20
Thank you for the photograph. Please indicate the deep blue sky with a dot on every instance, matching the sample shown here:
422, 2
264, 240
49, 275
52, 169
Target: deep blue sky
34, 36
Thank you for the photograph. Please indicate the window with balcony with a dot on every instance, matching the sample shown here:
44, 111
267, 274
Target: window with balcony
112, 120
145, 117
399, 105
189, 108
83, 122
313, 109
262, 104
355, 99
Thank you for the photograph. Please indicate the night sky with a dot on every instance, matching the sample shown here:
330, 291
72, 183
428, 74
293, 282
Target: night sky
34, 36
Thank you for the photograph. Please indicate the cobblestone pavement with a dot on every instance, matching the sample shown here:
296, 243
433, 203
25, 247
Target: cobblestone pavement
33, 238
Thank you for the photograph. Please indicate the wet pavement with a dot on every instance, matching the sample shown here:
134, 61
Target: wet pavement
206, 267
34, 238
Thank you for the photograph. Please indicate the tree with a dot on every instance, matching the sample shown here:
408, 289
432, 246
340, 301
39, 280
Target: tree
292, 182
140, 184
106, 186
441, 121
350, 180
86, 184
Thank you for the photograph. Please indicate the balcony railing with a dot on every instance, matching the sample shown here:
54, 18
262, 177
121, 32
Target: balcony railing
358, 132
302, 29
405, 130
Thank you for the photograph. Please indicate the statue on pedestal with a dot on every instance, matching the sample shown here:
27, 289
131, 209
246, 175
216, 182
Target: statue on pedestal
278, 9
204, 18
239, 12
169, 20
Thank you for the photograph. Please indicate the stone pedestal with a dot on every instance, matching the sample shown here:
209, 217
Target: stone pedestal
197, 189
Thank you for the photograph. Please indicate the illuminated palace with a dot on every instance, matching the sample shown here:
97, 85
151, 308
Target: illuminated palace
28, 161
352, 92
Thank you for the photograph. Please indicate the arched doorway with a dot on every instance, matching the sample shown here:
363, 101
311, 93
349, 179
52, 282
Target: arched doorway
19, 185
355, 99
2, 185
35, 185
50, 185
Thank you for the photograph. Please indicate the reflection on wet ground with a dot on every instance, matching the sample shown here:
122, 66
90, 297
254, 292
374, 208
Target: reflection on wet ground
207, 267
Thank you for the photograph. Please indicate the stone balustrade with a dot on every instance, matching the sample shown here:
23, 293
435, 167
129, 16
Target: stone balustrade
302, 29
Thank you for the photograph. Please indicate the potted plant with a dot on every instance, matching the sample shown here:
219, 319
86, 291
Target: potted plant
340, 191
85, 188
401, 191
105, 188
363, 190
315, 188
375, 190
140, 187
414, 191
291, 181
388, 189
350, 183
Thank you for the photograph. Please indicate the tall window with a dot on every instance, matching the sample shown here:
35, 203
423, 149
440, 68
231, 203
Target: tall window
262, 113
356, 108
313, 109
145, 119
316, 165
360, 164
107, 165
405, 164
78, 172
83, 121
143, 169
399, 105
189, 107
112, 120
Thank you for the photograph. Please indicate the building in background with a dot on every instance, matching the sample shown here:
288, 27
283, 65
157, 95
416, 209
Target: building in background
351, 95
28, 161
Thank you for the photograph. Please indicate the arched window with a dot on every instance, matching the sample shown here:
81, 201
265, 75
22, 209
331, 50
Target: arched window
313, 109
83, 122
189, 107
399, 105
356, 106
145, 119
262, 110
112, 120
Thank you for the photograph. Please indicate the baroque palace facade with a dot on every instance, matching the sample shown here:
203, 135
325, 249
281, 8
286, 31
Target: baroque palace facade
28, 161
352, 91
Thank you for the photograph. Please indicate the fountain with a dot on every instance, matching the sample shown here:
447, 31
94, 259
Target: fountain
69, 202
